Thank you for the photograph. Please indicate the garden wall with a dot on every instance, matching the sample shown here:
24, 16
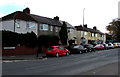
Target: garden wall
18, 50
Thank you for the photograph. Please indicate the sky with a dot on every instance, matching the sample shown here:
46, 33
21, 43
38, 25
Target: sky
97, 13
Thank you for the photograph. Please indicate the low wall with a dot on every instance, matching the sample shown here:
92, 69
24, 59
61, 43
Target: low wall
18, 50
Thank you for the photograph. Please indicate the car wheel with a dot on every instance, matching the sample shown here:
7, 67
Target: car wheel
80, 52
67, 53
57, 54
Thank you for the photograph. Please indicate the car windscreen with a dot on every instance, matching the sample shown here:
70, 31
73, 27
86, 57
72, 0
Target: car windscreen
81, 47
76, 47
50, 48
97, 45
90, 45
106, 44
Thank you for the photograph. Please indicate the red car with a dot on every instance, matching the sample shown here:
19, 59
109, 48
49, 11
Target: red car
57, 51
99, 47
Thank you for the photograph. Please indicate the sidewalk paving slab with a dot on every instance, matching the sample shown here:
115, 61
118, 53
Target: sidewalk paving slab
21, 57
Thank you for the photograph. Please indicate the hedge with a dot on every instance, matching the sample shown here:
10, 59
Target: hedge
10, 39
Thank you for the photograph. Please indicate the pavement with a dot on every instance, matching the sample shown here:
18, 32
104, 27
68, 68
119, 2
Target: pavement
22, 57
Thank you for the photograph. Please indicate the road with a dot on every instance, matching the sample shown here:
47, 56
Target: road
93, 63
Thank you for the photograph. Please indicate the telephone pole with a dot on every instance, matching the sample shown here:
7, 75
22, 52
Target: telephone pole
83, 21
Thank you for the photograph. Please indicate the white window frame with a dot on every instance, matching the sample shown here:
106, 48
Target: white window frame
92, 34
85, 33
30, 25
56, 29
68, 30
96, 35
51, 28
17, 23
44, 27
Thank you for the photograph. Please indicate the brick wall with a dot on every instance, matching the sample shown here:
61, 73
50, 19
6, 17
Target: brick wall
19, 50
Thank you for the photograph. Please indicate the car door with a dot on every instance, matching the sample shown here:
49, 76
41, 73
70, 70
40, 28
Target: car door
63, 51
59, 50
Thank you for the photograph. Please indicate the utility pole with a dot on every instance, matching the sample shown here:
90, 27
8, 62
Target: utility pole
83, 21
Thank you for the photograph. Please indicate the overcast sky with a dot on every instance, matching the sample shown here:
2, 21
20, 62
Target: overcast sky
97, 12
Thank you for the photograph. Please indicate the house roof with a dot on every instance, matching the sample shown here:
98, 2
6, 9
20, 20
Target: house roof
31, 17
45, 20
88, 29
18, 15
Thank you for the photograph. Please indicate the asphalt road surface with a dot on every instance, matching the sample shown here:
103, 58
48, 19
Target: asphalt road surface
93, 63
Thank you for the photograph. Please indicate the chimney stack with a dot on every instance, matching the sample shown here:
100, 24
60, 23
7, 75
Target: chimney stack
95, 28
56, 18
26, 10
85, 25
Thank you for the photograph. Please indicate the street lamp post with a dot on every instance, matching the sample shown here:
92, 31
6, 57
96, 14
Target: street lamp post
83, 21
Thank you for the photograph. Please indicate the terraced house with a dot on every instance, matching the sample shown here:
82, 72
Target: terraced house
88, 35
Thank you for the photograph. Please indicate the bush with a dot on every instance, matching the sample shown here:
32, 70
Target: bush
48, 40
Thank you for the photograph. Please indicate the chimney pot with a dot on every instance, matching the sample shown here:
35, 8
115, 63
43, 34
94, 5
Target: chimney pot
56, 18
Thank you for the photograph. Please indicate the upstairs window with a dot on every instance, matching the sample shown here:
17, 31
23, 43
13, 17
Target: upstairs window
17, 23
70, 30
92, 34
31, 25
56, 29
43, 26
51, 28
85, 33
96, 35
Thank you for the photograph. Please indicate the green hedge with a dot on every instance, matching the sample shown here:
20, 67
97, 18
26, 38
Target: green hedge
13, 39
10, 39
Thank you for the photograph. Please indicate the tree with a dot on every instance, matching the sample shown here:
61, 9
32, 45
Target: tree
63, 34
48, 40
114, 28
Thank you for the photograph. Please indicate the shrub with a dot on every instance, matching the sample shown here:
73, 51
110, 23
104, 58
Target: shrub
48, 40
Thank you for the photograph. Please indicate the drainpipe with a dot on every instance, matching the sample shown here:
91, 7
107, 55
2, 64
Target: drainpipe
14, 20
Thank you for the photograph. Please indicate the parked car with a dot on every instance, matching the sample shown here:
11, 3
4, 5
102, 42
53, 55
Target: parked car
115, 45
78, 49
99, 47
57, 51
110, 45
118, 44
106, 46
89, 47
